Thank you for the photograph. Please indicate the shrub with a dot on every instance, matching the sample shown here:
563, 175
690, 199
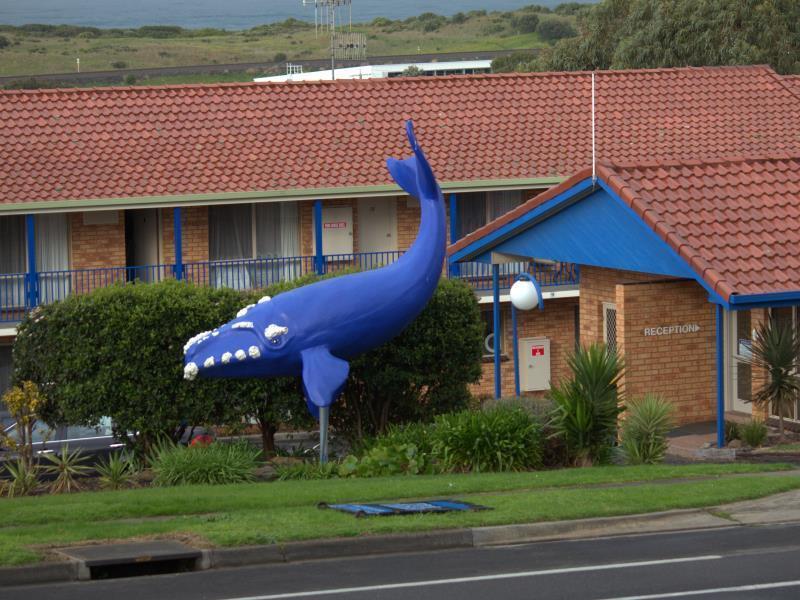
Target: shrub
279, 57
23, 403
516, 61
497, 439
754, 433
731, 431
525, 23
553, 29
217, 464
118, 352
587, 405
67, 467
23, 478
119, 64
644, 431
4, 43
385, 459
115, 472
421, 373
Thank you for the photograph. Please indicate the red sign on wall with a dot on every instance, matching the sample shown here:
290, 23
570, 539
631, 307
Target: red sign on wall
335, 225
537, 351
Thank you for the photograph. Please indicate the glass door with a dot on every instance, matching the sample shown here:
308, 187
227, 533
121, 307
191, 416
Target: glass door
739, 350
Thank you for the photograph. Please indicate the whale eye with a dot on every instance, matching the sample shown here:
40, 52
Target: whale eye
276, 341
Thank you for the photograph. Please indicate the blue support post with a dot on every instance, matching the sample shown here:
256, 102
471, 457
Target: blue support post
32, 277
720, 379
178, 235
516, 349
452, 268
497, 329
319, 258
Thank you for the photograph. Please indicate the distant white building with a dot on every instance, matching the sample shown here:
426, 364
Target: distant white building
460, 67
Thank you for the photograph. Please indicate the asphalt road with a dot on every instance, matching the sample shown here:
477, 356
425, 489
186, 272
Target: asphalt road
732, 563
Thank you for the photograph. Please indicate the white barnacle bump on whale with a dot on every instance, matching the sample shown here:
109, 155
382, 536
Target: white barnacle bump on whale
254, 352
243, 312
209, 362
242, 325
196, 340
226, 358
190, 371
265, 299
240, 354
272, 331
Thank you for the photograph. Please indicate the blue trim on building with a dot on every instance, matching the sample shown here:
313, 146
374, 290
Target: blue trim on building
720, 377
177, 225
527, 220
32, 276
455, 226
319, 258
498, 330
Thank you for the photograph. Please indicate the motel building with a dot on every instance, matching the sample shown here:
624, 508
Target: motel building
244, 185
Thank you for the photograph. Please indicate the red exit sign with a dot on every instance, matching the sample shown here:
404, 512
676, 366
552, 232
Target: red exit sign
537, 351
335, 225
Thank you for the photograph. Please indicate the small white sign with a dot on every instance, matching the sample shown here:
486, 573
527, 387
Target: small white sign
672, 329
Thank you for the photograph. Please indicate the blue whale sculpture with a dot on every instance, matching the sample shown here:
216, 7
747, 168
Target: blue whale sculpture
314, 330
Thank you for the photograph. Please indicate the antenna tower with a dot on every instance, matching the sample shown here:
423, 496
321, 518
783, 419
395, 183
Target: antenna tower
330, 14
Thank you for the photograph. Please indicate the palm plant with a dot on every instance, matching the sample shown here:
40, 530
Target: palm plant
115, 472
645, 428
587, 405
23, 478
66, 467
776, 348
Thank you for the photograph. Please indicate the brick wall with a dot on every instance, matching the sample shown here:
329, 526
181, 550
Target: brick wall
97, 245
194, 225
408, 216
598, 285
556, 322
681, 367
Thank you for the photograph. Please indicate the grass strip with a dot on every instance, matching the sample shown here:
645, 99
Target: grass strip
267, 513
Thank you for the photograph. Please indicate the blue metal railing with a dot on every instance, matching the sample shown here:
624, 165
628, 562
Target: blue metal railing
479, 275
21, 292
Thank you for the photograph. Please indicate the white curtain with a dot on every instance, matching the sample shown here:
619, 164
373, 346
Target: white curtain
52, 257
230, 244
278, 239
12, 262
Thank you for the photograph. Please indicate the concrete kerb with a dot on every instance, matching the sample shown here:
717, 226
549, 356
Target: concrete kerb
676, 520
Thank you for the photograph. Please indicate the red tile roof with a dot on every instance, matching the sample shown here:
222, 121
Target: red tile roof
152, 141
793, 81
735, 221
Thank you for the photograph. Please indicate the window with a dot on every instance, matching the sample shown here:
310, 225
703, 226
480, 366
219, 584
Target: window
487, 315
239, 234
52, 258
610, 326
477, 209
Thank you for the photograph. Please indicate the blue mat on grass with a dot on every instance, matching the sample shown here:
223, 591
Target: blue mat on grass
404, 508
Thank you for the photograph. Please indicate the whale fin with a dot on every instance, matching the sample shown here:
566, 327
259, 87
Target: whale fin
414, 174
324, 377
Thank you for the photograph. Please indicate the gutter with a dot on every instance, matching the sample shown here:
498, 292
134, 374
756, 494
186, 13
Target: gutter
368, 191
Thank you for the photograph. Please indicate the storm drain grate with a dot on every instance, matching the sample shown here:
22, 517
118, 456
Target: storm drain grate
134, 559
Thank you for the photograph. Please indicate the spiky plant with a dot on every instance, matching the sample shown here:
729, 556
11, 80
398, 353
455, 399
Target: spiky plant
587, 405
644, 430
115, 472
23, 478
776, 348
67, 468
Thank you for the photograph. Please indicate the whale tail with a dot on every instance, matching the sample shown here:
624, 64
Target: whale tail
414, 174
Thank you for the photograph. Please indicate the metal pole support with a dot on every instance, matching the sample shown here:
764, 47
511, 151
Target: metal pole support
324, 418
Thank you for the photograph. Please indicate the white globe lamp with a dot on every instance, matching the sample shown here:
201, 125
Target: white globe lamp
525, 295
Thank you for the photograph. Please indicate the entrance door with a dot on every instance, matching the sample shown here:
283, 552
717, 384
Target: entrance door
739, 380
377, 226
142, 244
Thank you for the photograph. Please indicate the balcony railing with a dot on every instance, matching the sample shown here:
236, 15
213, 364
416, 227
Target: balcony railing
21, 292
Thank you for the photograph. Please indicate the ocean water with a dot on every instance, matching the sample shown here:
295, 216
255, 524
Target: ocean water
224, 14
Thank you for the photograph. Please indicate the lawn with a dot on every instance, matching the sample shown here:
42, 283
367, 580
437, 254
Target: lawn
267, 513
33, 54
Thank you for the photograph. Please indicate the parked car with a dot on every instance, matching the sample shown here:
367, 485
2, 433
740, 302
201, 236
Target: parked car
95, 442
